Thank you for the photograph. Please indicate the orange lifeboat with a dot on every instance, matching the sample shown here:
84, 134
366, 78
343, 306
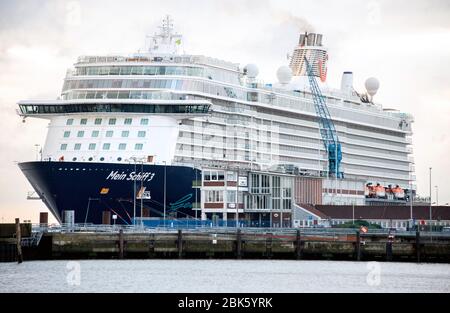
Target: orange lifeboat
380, 191
399, 193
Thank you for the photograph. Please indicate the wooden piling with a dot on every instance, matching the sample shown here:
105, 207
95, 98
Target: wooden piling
269, 240
298, 246
389, 250
151, 246
121, 244
180, 244
238, 244
418, 246
19, 242
358, 246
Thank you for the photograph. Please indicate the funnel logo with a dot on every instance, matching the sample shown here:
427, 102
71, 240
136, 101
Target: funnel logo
323, 68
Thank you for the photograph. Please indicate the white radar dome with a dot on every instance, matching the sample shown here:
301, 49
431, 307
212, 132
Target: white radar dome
284, 74
372, 86
251, 70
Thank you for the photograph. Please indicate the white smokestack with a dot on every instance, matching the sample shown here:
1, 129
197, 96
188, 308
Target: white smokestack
347, 83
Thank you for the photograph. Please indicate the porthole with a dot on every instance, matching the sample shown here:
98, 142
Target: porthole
119, 159
90, 159
102, 159
74, 159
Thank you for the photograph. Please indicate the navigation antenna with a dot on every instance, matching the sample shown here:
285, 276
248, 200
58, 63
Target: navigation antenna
166, 41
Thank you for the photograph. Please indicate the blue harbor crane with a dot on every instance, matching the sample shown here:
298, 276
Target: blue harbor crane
327, 129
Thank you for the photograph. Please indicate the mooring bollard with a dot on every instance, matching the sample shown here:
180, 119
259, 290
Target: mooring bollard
19, 242
121, 244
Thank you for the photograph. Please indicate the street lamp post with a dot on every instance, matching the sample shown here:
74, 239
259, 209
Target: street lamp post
430, 199
134, 194
353, 212
411, 218
165, 166
142, 193
437, 195
237, 199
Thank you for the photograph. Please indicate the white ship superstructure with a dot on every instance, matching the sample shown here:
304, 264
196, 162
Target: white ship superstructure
163, 106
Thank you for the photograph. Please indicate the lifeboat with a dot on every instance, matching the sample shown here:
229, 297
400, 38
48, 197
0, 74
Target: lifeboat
370, 191
380, 191
399, 193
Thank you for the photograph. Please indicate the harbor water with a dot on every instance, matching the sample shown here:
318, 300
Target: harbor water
192, 276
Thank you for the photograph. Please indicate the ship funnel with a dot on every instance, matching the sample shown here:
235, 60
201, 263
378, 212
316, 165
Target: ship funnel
347, 83
310, 46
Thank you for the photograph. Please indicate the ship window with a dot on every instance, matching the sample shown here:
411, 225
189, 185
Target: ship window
90, 159
112, 121
136, 70
114, 70
138, 146
119, 159
69, 121
125, 133
66, 134
109, 133
102, 159
63, 146
141, 134
77, 146
126, 70
92, 146
83, 121
122, 146
95, 133
80, 134
128, 121
106, 146
214, 196
98, 121
144, 121
74, 159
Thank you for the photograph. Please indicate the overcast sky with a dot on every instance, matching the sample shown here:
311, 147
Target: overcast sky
406, 44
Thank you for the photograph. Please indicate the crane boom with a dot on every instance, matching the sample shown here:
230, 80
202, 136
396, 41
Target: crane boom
327, 129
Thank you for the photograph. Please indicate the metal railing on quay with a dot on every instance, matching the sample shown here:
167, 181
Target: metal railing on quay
256, 231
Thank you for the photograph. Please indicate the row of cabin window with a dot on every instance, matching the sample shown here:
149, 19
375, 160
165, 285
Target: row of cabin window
106, 146
109, 133
111, 121
219, 176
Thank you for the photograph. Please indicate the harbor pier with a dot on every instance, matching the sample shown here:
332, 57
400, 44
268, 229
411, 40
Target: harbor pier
116, 242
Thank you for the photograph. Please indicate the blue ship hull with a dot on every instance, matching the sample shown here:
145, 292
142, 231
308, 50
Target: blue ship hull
89, 189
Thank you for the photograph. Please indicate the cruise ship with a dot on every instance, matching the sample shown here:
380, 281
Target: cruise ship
162, 135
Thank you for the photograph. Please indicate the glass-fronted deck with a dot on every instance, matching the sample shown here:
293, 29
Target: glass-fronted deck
30, 109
